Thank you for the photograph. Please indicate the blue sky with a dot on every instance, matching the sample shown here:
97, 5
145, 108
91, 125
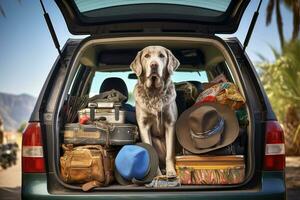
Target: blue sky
27, 51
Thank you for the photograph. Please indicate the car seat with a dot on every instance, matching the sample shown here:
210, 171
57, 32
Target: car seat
198, 85
119, 85
180, 102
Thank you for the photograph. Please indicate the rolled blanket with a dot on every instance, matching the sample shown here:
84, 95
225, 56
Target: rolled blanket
164, 182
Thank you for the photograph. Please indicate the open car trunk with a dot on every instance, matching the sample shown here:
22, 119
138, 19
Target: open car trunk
202, 16
209, 54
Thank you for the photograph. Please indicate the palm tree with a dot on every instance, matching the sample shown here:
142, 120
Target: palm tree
274, 8
270, 11
281, 81
294, 5
2, 11
292, 118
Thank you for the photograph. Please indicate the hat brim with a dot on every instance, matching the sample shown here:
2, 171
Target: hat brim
120, 179
154, 163
229, 134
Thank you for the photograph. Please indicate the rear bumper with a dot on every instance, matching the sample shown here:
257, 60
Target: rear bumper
34, 186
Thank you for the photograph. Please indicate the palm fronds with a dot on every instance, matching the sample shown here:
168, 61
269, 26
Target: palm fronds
2, 12
270, 9
274, 8
281, 81
294, 6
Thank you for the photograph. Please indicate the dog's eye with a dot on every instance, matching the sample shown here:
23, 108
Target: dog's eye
161, 55
147, 55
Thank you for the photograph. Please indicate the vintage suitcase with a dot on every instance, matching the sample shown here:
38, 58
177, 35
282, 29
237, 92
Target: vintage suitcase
210, 170
104, 105
108, 114
89, 165
118, 134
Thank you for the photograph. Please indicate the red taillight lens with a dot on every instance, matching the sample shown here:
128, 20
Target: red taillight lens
32, 149
274, 147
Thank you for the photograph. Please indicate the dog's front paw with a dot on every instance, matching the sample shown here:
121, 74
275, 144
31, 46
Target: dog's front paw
171, 172
158, 172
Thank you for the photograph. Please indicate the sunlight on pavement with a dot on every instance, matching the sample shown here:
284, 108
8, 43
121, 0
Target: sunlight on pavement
10, 178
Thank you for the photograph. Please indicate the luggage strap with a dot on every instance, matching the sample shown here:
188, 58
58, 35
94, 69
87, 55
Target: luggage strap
106, 127
90, 185
69, 147
107, 173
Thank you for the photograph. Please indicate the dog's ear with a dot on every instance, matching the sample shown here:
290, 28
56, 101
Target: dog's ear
136, 64
173, 63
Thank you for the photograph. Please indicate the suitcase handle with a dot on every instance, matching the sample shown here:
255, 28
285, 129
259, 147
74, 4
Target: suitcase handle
117, 109
106, 127
92, 107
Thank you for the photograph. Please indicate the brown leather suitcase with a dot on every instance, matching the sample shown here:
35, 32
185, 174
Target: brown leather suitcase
118, 134
90, 165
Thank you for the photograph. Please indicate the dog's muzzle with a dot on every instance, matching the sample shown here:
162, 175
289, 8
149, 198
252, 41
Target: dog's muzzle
154, 80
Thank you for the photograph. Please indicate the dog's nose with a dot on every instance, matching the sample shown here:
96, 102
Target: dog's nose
154, 65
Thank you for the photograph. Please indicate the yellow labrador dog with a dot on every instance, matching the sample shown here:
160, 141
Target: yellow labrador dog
156, 109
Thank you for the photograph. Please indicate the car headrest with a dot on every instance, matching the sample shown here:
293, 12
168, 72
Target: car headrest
116, 84
198, 85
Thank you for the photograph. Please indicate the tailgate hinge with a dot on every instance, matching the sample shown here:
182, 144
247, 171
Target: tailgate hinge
47, 117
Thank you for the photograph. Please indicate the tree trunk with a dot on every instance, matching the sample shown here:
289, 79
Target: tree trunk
279, 23
296, 19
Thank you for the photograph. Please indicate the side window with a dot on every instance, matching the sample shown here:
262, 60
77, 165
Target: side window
178, 76
75, 82
79, 80
221, 68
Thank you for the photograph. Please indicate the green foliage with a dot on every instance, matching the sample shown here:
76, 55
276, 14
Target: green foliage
282, 79
22, 127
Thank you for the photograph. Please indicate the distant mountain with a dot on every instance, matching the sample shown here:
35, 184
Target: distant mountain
15, 109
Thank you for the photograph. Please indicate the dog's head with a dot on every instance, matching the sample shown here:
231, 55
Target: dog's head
153, 65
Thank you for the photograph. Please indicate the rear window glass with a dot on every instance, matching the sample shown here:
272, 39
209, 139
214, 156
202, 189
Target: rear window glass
178, 76
89, 5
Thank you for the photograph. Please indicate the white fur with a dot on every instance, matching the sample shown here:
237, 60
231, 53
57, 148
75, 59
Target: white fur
156, 109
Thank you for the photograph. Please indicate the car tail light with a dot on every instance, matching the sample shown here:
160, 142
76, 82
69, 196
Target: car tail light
274, 147
32, 149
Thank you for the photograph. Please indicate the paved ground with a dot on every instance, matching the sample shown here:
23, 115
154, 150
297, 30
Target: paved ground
10, 180
292, 175
11, 177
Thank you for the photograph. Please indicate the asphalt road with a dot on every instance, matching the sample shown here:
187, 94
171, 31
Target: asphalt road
10, 180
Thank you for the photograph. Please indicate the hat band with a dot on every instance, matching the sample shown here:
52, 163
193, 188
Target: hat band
217, 129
